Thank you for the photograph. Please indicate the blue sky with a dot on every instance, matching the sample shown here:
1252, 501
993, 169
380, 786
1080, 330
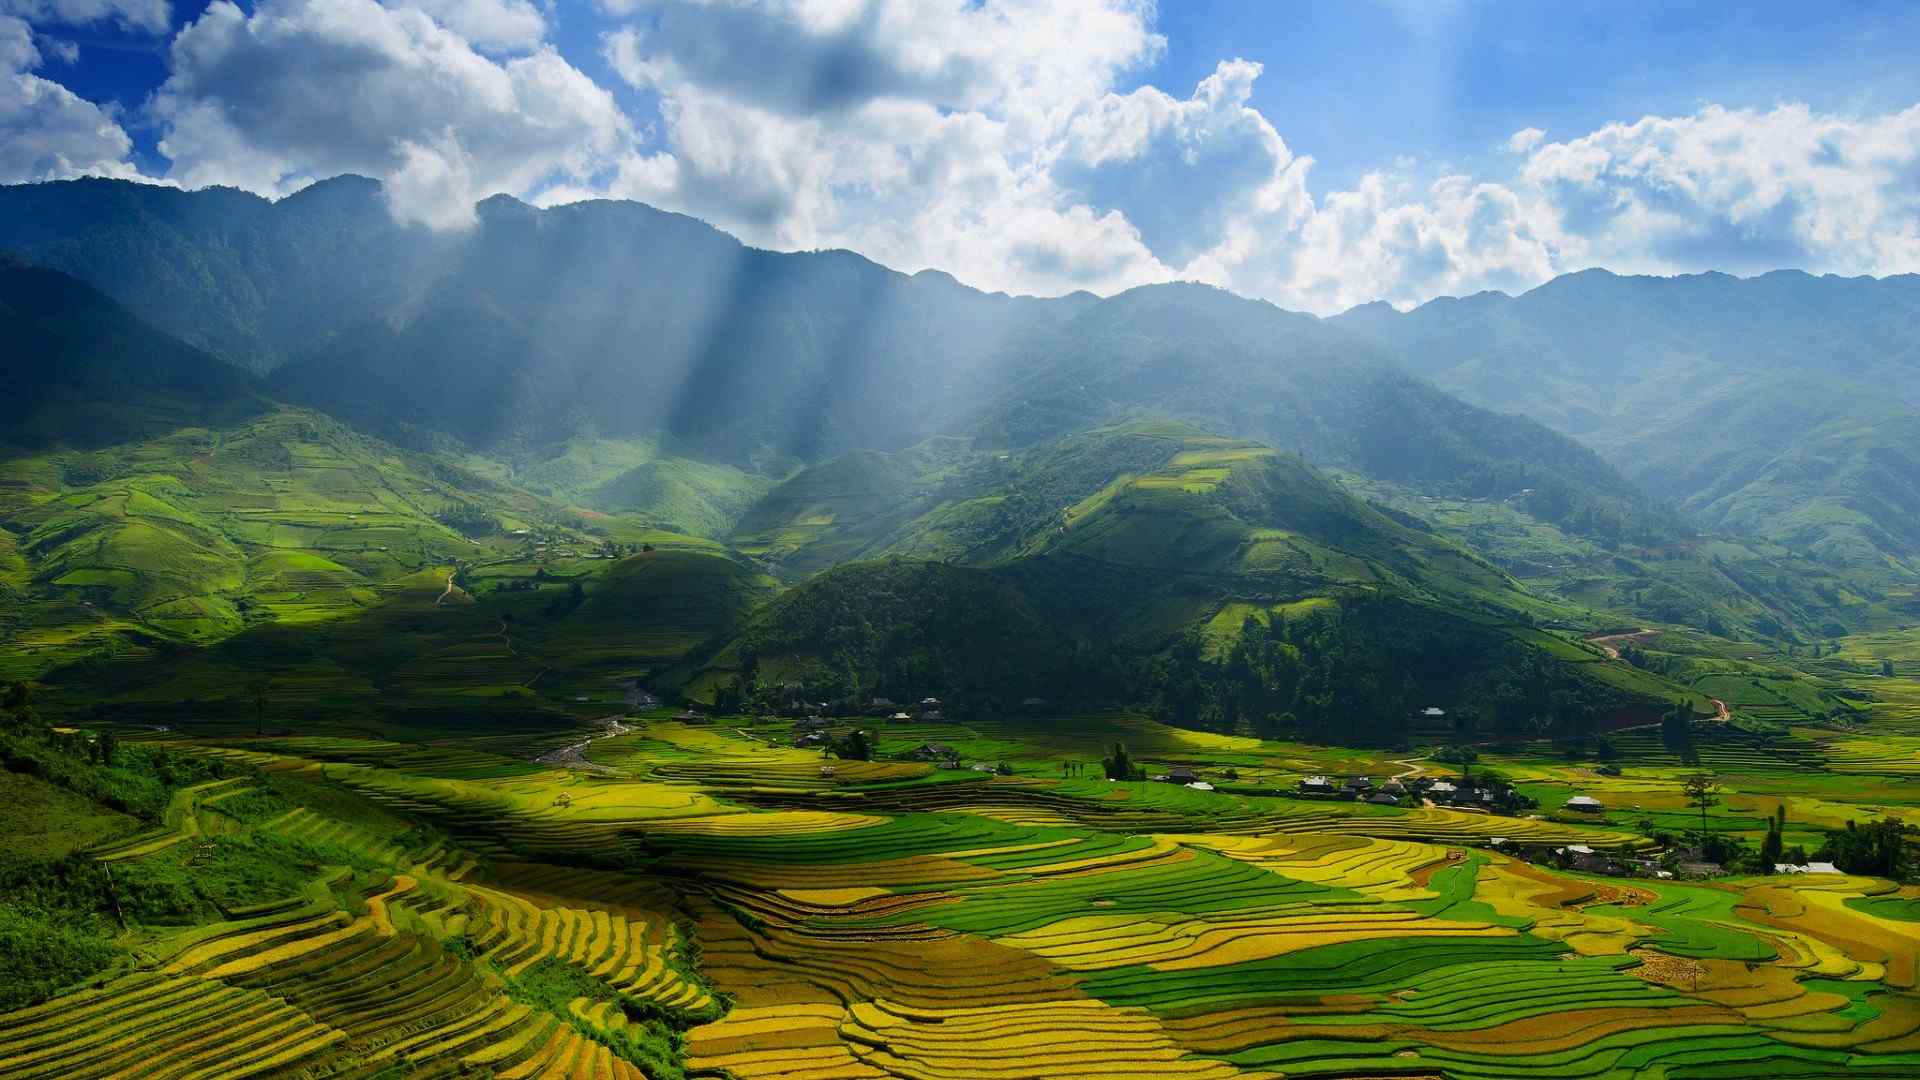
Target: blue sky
1317, 155
1365, 82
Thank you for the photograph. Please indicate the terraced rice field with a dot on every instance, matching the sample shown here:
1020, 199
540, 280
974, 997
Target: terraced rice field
723, 903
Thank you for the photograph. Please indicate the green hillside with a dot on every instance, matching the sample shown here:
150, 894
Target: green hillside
1149, 562
1759, 405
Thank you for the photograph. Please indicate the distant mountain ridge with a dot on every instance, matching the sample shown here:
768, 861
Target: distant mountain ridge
615, 320
1779, 405
1760, 406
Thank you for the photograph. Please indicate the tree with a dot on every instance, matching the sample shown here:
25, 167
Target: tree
1702, 793
109, 747
1886, 668
1118, 765
1883, 849
1775, 845
856, 745
258, 691
1676, 728
16, 705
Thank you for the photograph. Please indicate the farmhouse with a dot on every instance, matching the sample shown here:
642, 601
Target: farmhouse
899, 718
688, 716
932, 751
1181, 774
1359, 787
1805, 868
1316, 785
1442, 791
1381, 798
1585, 804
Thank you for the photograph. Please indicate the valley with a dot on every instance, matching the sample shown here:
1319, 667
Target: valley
587, 646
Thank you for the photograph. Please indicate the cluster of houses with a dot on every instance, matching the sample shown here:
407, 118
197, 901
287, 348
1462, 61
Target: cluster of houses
811, 731
1681, 862
1415, 791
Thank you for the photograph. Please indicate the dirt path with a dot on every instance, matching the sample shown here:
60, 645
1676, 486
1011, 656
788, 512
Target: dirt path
1413, 767
1720, 707
1610, 643
448, 592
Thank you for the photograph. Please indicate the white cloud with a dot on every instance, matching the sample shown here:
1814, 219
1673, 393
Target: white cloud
489, 24
1524, 140
153, 16
1000, 140
304, 89
991, 140
1741, 190
1182, 171
46, 131
920, 134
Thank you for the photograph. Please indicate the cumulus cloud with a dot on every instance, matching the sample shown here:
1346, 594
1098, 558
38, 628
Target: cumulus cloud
46, 131
489, 24
921, 134
1741, 190
1006, 141
1524, 140
299, 90
1182, 170
956, 140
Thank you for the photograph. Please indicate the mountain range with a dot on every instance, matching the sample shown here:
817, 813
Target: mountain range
240, 415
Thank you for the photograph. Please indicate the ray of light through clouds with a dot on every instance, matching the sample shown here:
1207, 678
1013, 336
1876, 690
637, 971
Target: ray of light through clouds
1025, 145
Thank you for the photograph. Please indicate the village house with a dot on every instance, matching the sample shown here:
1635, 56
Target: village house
1805, 868
932, 751
1359, 787
899, 718
1317, 785
1585, 804
1181, 774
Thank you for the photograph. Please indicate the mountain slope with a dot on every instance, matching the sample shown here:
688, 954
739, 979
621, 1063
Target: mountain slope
1298, 383
83, 370
1775, 406
616, 321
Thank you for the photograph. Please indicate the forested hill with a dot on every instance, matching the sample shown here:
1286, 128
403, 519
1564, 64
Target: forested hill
84, 371
1307, 385
1774, 406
